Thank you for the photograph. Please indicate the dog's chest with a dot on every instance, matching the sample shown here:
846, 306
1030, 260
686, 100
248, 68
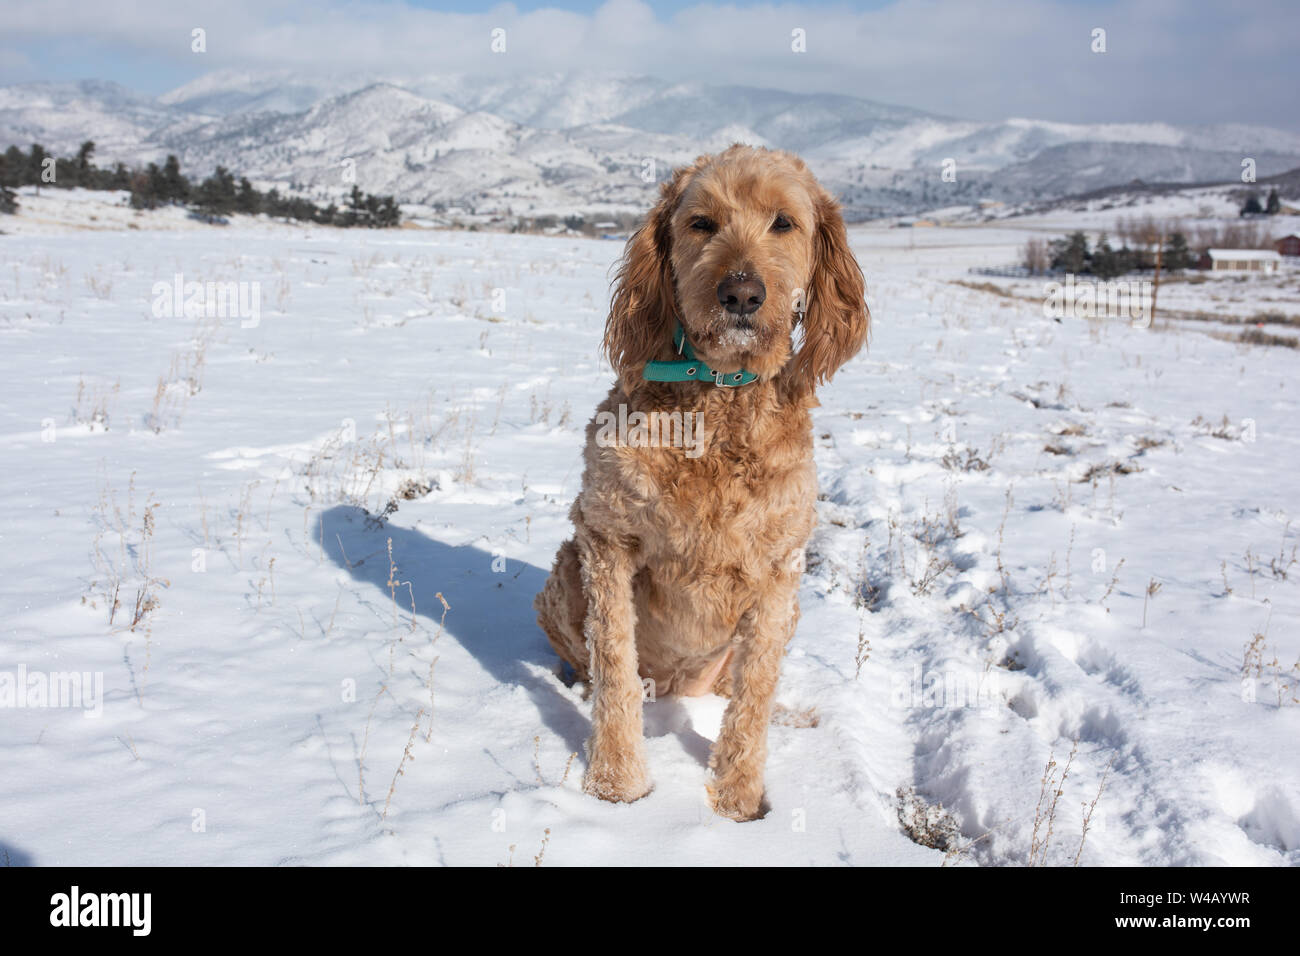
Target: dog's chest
735, 504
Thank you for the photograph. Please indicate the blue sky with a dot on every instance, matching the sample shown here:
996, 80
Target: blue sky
1180, 62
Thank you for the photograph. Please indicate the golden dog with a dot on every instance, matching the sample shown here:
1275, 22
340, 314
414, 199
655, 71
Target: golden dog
684, 566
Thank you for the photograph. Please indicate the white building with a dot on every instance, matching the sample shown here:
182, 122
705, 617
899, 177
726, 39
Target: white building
1240, 260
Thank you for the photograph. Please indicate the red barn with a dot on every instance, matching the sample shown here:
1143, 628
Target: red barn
1288, 246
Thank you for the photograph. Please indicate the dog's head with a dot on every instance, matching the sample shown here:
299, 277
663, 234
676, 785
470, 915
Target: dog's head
742, 248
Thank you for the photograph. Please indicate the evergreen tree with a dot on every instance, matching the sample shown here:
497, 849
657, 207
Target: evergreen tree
10, 176
249, 200
13, 172
389, 213
36, 166
216, 194
355, 215
1252, 206
1125, 259
1177, 255
1104, 264
172, 186
1274, 205
1070, 253
67, 174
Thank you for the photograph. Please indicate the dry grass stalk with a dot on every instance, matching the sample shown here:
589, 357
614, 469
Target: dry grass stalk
1111, 587
401, 771
1045, 812
1090, 808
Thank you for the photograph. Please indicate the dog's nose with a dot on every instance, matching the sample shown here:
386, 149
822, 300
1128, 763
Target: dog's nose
741, 295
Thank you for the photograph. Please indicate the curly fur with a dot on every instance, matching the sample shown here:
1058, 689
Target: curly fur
685, 570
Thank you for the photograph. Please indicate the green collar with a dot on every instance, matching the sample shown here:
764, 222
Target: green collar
691, 369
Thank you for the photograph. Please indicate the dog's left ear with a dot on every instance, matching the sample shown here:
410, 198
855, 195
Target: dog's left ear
836, 320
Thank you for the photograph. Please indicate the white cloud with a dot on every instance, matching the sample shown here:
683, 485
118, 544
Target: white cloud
985, 59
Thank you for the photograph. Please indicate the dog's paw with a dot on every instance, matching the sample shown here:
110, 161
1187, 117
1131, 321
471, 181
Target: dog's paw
617, 781
737, 797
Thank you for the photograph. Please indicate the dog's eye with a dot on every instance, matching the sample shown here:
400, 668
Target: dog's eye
782, 223
704, 224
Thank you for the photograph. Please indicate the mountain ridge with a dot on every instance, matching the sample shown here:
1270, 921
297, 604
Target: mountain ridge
561, 143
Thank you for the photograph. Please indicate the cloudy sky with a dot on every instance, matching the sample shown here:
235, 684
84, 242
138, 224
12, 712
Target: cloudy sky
1182, 61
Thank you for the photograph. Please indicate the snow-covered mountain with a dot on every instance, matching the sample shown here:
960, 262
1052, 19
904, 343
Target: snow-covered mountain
586, 142
61, 116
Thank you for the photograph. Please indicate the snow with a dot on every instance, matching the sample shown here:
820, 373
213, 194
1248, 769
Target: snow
966, 614
584, 141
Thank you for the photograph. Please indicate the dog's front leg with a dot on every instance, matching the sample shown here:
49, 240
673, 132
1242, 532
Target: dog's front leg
736, 790
615, 753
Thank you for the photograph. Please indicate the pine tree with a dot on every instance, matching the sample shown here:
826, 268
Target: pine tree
389, 213
1104, 265
249, 200
10, 176
1070, 253
216, 194
172, 186
1274, 205
1177, 254
1125, 259
15, 167
36, 166
355, 212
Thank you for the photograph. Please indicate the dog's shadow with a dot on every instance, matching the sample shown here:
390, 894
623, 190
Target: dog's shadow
491, 615
491, 599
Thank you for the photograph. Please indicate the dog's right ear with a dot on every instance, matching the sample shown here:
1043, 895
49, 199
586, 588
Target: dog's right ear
643, 309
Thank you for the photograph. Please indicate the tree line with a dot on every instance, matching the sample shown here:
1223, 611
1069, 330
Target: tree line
152, 186
1270, 207
1073, 253
1139, 240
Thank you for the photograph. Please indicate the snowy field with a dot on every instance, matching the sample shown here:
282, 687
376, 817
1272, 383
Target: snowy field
298, 544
